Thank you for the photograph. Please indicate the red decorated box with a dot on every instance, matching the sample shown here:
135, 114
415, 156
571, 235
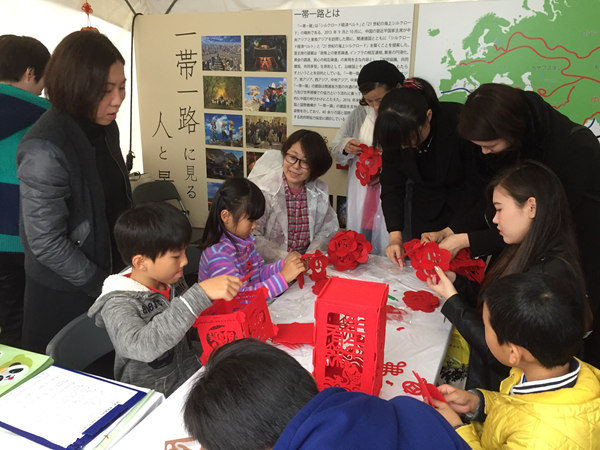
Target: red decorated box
350, 335
246, 315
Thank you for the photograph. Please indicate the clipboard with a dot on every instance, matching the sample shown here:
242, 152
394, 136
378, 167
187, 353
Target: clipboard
69, 416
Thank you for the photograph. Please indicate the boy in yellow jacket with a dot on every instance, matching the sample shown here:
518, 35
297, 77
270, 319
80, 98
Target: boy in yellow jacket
550, 399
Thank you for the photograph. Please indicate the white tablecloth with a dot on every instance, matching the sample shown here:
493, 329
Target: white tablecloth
420, 342
421, 345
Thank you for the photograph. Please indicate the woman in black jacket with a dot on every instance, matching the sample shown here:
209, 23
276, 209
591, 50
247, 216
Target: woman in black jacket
421, 150
512, 125
73, 186
534, 221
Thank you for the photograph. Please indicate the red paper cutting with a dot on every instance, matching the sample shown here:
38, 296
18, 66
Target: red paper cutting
317, 264
291, 334
428, 390
300, 279
350, 335
318, 286
421, 301
394, 369
246, 315
389, 382
424, 257
347, 249
411, 387
463, 264
368, 164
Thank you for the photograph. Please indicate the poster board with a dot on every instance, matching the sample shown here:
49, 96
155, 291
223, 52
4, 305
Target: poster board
180, 88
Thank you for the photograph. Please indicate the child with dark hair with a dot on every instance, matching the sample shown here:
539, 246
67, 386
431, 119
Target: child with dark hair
551, 399
229, 246
146, 309
298, 216
255, 396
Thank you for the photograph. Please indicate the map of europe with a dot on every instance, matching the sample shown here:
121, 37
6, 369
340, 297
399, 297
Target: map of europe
553, 48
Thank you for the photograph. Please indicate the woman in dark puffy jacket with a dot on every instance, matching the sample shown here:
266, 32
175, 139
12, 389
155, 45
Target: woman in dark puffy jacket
73, 186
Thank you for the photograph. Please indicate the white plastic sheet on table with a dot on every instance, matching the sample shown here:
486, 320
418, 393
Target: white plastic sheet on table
421, 344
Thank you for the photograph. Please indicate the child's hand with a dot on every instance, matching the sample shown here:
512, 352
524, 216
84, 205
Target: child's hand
459, 400
445, 410
292, 267
444, 287
223, 286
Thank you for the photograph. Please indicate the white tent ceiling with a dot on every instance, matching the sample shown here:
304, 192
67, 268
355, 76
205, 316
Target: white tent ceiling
120, 12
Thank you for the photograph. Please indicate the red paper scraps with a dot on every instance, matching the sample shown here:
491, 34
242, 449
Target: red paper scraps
424, 257
428, 390
399, 328
389, 382
421, 301
394, 369
368, 164
394, 313
292, 334
347, 249
464, 265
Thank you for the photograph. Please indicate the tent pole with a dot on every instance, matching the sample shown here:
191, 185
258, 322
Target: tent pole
130, 7
170, 7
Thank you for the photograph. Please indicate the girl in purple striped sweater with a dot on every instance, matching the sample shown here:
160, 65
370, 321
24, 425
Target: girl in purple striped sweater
229, 246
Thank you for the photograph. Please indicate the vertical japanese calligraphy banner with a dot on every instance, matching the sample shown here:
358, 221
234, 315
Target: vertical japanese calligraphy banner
216, 90
331, 45
203, 80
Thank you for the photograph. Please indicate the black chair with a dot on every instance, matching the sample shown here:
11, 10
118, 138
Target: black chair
158, 191
161, 191
81, 345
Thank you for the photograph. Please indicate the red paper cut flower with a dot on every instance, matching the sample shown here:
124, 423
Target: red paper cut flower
368, 164
348, 248
421, 301
464, 265
424, 257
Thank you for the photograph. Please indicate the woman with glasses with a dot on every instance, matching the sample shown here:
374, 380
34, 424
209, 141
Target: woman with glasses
298, 216
422, 154
364, 213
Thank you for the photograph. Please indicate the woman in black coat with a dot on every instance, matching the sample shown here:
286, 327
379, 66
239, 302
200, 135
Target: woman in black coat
534, 221
511, 125
421, 151
73, 186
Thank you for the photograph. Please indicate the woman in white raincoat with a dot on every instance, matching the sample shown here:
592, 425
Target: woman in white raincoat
364, 206
298, 216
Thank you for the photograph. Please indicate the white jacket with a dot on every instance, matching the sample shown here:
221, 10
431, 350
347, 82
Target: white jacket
271, 231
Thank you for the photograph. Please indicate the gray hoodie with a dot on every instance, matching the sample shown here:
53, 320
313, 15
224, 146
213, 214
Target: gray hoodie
149, 332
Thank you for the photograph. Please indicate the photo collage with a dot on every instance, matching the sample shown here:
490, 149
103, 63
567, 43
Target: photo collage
247, 115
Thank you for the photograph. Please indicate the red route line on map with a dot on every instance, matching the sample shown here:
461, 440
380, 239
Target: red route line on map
543, 92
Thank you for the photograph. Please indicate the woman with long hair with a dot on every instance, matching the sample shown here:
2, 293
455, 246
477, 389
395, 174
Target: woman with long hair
534, 221
512, 125
424, 178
